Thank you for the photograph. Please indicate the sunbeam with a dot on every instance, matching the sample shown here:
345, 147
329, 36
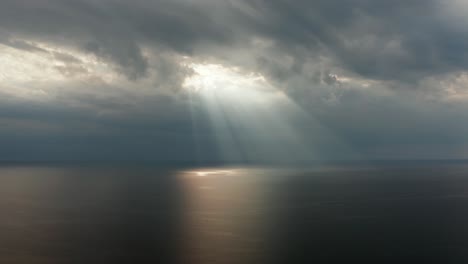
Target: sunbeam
253, 121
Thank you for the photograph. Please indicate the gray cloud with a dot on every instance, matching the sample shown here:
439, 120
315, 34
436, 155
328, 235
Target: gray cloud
22, 45
399, 40
378, 73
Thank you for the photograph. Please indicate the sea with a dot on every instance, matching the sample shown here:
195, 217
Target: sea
381, 212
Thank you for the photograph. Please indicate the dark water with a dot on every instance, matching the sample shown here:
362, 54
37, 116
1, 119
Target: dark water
379, 214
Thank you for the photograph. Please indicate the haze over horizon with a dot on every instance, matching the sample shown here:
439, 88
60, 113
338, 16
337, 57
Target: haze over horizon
233, 81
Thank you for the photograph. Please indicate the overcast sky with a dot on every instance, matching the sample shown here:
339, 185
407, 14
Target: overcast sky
233, 80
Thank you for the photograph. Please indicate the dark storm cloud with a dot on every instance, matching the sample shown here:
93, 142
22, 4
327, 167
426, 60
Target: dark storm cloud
21, 45
408, 47
391, 40
396, 40
89, 127
115, 30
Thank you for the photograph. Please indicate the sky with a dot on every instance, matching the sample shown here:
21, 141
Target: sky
239, 81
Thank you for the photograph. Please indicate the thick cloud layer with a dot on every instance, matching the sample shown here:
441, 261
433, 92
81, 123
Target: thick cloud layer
83, 79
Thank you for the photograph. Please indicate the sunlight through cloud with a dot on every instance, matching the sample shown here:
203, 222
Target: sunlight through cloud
250, 118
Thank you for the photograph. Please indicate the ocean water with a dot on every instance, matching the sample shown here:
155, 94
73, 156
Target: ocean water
411, 213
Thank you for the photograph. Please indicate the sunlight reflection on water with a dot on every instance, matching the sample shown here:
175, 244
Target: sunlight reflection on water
222, 222
232, 215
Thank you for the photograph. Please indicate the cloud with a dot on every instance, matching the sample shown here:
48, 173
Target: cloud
22, 45
381, 74
401, 40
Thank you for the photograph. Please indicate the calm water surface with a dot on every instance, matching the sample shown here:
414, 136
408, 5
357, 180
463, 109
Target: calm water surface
372, 214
